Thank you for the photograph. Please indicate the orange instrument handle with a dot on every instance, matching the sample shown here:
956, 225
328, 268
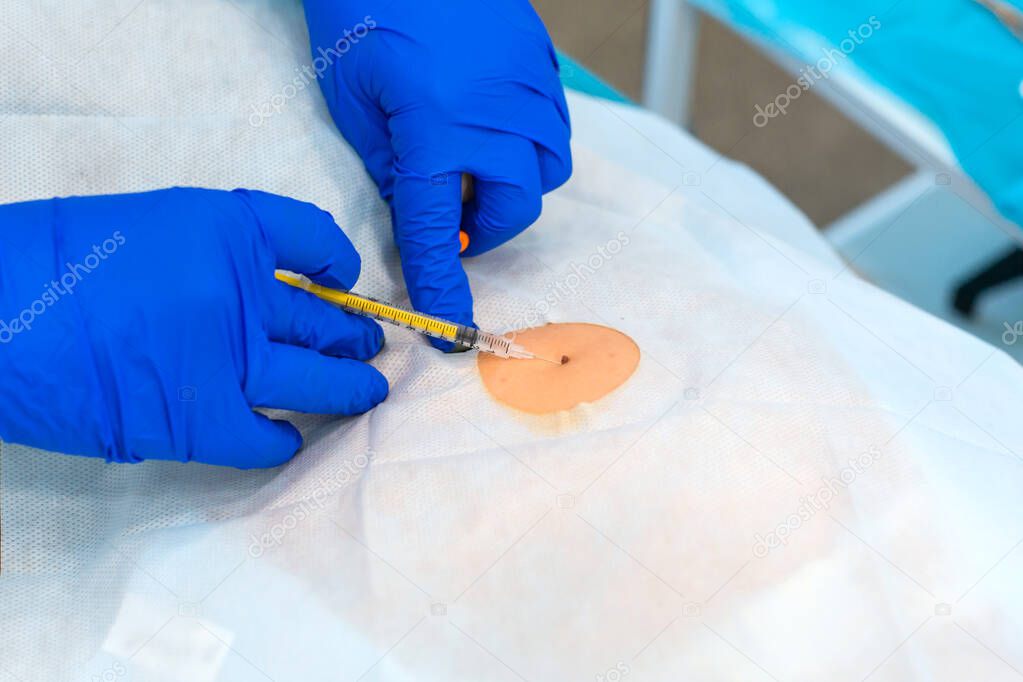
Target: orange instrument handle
467, 194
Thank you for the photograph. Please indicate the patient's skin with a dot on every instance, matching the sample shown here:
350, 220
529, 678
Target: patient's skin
599, 360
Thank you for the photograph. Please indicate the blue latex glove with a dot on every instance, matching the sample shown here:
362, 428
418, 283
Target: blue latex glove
147, 326
425, 90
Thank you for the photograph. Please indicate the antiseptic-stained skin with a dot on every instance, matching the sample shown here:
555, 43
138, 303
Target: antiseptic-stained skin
600, 359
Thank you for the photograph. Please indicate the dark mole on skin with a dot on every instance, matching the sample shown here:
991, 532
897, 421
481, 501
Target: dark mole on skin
564, 359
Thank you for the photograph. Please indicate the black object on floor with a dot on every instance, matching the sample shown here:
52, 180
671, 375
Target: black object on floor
1005, 269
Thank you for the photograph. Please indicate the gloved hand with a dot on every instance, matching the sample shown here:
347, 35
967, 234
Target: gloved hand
147, 326
425, 90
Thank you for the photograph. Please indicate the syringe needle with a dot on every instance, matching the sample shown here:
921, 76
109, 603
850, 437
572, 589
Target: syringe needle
553, 362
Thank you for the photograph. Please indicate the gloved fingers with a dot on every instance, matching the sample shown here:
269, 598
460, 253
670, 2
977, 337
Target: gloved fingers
427, 214
305, 239
300, 379
508, 196
555, 163
298, 318
557, 94
538, 116
542, 118
535, 118
545, 85
363, 124
253, 442
351, 82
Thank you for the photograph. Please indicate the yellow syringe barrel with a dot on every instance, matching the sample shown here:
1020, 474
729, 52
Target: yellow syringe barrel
459, 334
378, 310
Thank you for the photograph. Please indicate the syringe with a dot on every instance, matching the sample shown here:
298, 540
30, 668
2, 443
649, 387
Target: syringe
460, 334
